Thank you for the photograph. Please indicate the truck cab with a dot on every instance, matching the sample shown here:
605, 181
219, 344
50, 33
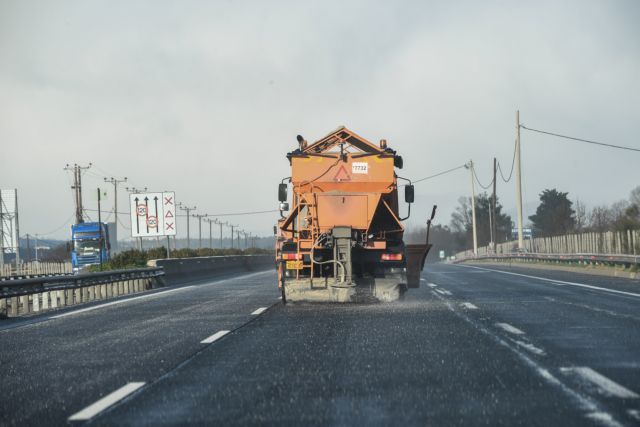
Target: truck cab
90, 245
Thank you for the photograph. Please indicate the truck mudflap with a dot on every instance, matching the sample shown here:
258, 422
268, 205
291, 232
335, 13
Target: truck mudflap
416, 256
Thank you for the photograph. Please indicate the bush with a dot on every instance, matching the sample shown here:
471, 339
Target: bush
134, 258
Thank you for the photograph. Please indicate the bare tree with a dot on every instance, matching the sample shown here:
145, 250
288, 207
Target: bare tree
634, 197
618, 210
580, 215
600, 218
461, 218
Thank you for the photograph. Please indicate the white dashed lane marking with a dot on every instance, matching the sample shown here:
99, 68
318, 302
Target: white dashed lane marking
259, 311
530, 347
214, 337
508, 328
432, 285
102, 404
604, 384
469, 306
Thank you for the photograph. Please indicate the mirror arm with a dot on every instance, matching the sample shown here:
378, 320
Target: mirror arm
408, 213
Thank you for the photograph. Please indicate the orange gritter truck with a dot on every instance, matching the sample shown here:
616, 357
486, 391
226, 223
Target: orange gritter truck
342, 238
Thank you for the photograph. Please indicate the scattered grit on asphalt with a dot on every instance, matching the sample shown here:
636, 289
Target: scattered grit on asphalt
472, 346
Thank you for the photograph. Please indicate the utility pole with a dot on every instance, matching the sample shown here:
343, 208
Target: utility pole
211, 222
232, 227
100, 237
473, 209
519, 183
18, 266
115, 183
200, 216
77, 188
221, 224
493, 206
188, 210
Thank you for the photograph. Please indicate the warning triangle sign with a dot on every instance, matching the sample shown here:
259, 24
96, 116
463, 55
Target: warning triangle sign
169, 215
342, 175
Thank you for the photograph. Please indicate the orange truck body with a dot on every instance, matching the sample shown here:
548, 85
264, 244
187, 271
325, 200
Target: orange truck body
344, 227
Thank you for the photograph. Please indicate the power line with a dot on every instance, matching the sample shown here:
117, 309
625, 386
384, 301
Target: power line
513, 163
246, 213
59, 228
581, 140
438, 174
479, 183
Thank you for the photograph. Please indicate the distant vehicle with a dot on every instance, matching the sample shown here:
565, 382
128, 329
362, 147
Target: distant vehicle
91, 245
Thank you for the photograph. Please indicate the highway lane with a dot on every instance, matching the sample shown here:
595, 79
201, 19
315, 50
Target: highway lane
470, 347
585, 329
56, 364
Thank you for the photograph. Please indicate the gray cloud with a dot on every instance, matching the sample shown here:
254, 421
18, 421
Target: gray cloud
205, 98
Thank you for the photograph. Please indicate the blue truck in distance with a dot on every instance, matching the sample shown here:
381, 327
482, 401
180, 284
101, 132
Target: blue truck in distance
90, 241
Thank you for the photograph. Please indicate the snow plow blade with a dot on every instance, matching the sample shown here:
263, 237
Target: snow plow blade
416, 256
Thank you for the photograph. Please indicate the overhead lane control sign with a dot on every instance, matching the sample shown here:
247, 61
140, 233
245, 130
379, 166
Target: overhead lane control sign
169, 213
152, 214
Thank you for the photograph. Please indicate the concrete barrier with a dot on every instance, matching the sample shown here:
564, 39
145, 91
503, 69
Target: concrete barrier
180, 270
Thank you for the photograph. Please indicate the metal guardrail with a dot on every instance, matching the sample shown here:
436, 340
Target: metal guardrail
627, 260
31, 276
27, 286
35, 294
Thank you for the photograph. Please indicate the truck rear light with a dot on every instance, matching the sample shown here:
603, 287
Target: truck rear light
391, 257
291, 256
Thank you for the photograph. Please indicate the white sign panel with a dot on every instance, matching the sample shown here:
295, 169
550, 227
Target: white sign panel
360, 167
152, 214
169, 213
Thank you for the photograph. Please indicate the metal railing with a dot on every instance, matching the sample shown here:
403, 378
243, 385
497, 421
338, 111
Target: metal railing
28, 295
33, 268
625, 261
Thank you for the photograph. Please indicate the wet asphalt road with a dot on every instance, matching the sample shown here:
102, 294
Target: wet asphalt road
472, 346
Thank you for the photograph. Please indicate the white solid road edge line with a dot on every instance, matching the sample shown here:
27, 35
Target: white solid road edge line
214, 337
121, 301
182, 288
607, 386
557, 282
260, 310
508, 328
102, 404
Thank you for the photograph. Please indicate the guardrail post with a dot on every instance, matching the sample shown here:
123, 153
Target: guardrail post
14, 306
25, 304
3, 307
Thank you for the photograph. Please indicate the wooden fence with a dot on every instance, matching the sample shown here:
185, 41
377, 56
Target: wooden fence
610, 242
35, 268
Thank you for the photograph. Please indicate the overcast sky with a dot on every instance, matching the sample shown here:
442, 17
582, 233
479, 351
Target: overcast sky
205, 97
